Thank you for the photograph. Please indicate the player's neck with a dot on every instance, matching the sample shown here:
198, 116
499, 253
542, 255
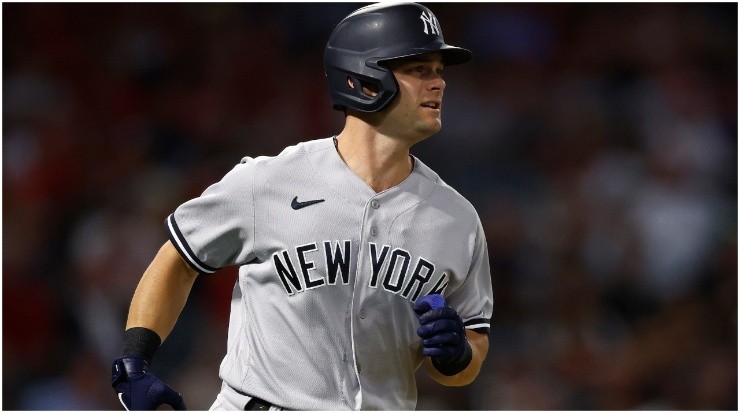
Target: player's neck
382, 162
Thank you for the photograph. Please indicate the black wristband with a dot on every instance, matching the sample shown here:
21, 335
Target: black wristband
451, 367
141, 342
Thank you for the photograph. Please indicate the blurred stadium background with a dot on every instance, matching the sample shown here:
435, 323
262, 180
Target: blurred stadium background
598, 143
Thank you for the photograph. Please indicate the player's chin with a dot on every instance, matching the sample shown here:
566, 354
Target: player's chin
427, 126
433, 126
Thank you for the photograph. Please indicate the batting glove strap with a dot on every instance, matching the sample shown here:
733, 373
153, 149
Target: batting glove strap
450, 367
138, 389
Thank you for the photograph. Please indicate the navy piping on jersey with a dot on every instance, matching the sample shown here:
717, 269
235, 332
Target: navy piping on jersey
178, 240
479, 325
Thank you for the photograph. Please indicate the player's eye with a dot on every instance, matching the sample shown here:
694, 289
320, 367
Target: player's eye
425, 70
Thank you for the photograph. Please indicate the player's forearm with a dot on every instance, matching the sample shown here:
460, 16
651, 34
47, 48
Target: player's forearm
162, 292
479, 346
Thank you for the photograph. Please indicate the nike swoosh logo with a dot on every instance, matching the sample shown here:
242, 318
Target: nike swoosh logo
298, 205
120, 397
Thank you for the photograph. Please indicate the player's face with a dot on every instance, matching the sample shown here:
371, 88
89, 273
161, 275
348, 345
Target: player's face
416, 112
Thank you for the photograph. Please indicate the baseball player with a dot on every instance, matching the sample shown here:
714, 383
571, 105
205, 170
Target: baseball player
358, 264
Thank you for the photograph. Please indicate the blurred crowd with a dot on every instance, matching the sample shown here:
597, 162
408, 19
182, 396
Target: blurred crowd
597, 142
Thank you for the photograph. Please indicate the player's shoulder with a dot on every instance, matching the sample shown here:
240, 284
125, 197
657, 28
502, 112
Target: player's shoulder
444, 195
290, 155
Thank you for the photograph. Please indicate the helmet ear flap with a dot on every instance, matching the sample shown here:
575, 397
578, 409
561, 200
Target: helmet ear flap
348, 87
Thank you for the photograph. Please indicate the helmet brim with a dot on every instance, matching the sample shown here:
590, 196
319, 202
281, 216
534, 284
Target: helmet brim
451, 55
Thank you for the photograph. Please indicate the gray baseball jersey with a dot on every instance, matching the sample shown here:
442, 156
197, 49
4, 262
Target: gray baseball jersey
321, 314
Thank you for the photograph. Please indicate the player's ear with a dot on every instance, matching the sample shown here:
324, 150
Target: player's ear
369, 89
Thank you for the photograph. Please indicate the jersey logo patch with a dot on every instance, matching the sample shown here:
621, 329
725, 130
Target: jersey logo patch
298, 205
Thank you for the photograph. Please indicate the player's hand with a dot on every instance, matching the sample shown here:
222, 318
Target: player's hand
443, 334
441, 328
137, 389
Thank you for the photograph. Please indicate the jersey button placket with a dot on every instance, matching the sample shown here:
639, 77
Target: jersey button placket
371, 220
374, 204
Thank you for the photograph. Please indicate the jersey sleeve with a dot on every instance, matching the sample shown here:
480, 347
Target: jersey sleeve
474, 299
216, 229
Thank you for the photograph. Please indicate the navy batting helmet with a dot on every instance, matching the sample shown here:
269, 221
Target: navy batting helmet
375, 34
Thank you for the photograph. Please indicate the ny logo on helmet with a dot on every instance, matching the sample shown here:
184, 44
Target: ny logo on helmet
430, 23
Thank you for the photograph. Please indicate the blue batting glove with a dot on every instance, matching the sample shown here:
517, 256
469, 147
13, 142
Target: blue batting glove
443, 334
138, 389
429, 302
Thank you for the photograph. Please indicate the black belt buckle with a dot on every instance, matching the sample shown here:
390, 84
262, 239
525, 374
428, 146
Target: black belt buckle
257, 404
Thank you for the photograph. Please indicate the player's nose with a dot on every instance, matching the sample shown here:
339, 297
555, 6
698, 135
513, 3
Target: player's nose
437, 83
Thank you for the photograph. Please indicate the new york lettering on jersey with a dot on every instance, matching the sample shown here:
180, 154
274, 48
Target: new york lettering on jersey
392, 269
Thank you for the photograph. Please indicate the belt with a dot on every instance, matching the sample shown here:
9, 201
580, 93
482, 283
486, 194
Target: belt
255, 403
